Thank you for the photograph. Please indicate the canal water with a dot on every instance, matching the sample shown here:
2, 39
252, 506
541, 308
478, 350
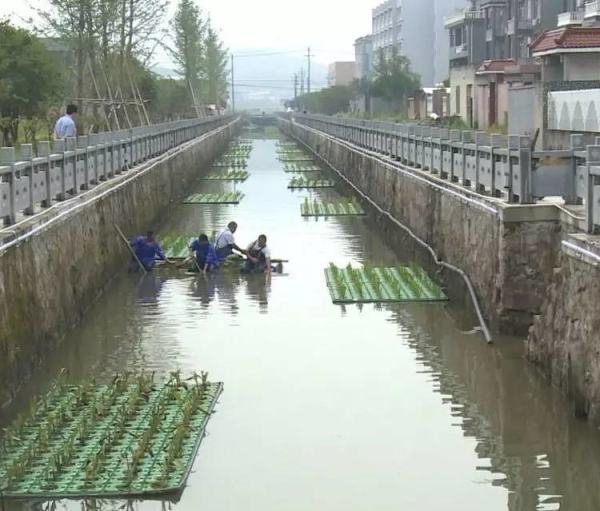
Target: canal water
326, 407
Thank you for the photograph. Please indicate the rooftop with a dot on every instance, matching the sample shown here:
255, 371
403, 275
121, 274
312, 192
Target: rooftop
498, 66
567, 40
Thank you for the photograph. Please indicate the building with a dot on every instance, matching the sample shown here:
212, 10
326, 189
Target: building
363, 52
570, 76
387, 28
415, 28
341, 73
429, 103
406, 27
440, 43
495, 31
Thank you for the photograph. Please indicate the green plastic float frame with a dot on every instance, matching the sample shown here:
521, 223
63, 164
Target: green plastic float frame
340, 208
97, 430
382, 285
215, 198
231, 174
299, 183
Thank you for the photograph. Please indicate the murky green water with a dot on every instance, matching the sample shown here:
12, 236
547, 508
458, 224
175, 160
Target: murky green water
328, 408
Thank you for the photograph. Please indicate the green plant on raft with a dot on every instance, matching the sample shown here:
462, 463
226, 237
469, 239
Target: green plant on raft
374, 280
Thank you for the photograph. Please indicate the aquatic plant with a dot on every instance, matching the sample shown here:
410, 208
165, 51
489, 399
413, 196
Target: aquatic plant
83, 433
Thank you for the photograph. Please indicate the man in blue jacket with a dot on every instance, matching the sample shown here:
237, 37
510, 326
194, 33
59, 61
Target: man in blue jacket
148, 250
205, 254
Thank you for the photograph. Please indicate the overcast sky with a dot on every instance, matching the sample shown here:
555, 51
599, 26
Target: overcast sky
328, 26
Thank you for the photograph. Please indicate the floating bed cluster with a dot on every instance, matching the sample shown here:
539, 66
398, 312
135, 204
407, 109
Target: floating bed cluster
230, 174
331, 208
215, 198
305, 182
375, 285
133, 437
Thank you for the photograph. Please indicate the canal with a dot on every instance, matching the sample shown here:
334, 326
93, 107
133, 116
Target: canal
328, 407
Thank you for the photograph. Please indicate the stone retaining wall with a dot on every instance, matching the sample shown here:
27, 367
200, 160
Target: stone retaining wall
509, 252
50, 279
564, 341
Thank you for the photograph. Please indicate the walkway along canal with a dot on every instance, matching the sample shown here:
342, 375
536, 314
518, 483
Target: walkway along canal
328, 407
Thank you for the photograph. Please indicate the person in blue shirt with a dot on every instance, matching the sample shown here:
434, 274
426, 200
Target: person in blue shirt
148, 250
205, 254
65, 126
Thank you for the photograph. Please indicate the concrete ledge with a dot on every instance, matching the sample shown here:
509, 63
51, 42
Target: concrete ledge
584, 248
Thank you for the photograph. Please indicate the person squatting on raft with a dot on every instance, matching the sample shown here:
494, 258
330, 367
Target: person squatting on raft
225, 244
204, 252
259, 257
148, 250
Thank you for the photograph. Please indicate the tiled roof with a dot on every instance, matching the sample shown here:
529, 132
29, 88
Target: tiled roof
567, 38
495, 66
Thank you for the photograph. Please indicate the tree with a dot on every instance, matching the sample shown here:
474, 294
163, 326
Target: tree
29, 78
110, 40
188, 51
215, 68
394, 79
328, 101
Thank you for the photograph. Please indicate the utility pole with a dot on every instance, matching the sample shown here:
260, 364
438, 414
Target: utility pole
232, 85
302, 81
308, 56
295, 85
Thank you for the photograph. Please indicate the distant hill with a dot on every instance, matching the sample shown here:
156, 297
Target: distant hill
264, 82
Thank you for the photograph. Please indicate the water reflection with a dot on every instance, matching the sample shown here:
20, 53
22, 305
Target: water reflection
526, 439
149, 288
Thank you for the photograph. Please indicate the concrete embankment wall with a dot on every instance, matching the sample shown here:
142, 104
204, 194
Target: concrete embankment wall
509, 252
49, 280
564, 341
532, 274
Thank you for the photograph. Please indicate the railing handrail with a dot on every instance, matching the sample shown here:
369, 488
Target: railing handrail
66, 167
501, 167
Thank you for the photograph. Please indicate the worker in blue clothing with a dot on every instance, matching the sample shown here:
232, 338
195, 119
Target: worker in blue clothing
148, 250
204, 252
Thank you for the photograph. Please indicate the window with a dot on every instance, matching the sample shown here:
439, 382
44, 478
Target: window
457, 96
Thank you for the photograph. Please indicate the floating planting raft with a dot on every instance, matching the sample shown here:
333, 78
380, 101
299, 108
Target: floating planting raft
333, 208
227, 175
215, 198
131, 438
296, 158
231, 162
304, 182
300, 170
375, 285
176, 247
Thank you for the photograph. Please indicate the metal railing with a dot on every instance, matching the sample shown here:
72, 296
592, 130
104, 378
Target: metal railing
500, 166
570, 18
66, 167
592, 9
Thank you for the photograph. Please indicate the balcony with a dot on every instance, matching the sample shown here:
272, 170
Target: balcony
566, 19
458, 18
459, 52
592, 9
